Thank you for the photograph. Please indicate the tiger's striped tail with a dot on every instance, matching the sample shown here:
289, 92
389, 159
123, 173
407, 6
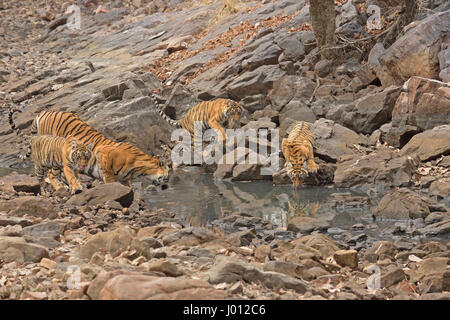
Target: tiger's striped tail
11, 121
161, 112
29, 150
17, 131
159, 108
26, 155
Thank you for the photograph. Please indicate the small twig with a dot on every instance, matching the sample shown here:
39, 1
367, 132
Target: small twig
346, 40
157, 35
352, 43
315, 89
90, 65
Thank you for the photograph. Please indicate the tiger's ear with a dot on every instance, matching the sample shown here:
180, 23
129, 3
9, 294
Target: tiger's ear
74, 144
90, 146
162, 163
229, 103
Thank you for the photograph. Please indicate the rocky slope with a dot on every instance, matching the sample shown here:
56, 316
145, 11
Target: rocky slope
381, 122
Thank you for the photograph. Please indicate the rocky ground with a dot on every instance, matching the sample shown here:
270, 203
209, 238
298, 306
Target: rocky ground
105, 244
381, 123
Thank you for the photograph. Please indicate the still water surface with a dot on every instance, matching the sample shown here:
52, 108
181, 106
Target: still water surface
194, 195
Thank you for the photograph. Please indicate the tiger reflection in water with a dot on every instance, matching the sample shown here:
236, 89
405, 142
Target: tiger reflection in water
224, 199
299, 208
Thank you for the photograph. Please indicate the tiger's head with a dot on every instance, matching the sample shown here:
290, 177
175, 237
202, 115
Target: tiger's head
157, 170
296, 174
233, 112
125, 162
80, 154
163, 173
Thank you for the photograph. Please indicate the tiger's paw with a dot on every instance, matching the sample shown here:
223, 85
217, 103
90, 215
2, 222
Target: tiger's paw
313, 167
76, 191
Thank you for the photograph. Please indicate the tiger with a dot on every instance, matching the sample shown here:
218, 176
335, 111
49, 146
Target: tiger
113, 161
297, 149
298, 208
58, 154
211, 114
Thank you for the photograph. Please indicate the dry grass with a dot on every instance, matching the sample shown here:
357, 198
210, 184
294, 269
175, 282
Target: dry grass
302, 27
226, 9
361, 8
246, 29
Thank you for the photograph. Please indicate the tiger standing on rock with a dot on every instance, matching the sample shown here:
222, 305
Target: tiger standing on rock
112, 160
56, 155
212, 114
297, 149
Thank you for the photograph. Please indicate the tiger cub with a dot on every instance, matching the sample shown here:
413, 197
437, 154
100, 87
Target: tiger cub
297, 149
212, 114
113, 160
58, 154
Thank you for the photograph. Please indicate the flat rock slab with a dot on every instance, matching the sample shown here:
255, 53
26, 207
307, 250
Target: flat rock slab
429, 144
441, 228
12, 221
440, 187
49, 229
367, 113
306, 224
229, 269
333, 140
191, 236
320, 243
44, 234
166, 267
20, 183
29, 205
110, 241
383, 167
103, 193
29, 252
381, 250
142, 287
403, 204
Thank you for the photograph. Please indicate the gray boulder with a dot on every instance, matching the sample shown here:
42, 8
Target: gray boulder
103, 193
416, 52
403, 204
384, 167
367, 113
332, 140
422, 105
429, 144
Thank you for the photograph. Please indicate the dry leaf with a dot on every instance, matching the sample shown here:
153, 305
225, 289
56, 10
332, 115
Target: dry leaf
423, 171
